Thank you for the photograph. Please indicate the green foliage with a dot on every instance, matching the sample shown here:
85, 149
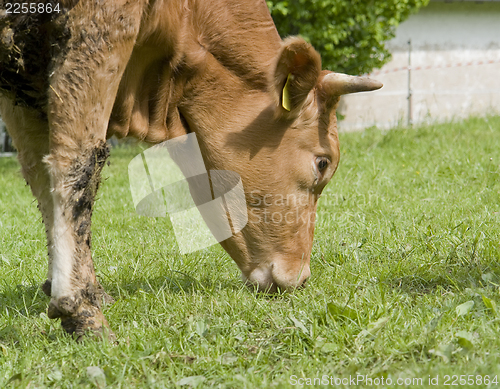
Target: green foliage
350, 35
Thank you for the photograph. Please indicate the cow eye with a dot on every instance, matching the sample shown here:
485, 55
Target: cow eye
322, 163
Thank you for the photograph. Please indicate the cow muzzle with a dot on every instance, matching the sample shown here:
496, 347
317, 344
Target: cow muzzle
280, 275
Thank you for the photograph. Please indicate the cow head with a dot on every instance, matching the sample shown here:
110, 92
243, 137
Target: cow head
283, 142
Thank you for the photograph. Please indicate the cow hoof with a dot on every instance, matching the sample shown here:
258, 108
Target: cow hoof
81, 320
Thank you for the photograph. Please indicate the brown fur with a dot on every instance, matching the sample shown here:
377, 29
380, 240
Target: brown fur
157, 69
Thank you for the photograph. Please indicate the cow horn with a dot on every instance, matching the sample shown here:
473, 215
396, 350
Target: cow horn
336, 84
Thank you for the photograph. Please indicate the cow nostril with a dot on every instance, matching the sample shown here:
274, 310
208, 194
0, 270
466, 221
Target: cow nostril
303, 285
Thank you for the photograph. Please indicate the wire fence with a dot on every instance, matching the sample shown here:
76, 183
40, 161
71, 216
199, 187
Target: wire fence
427, 85
429, 67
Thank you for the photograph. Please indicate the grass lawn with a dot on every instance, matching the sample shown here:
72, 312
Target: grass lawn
405, 284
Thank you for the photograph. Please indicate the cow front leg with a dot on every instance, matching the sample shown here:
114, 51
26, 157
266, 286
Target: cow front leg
30, 134
82, 90
76, 294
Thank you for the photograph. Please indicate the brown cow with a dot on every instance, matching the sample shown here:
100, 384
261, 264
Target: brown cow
157, 69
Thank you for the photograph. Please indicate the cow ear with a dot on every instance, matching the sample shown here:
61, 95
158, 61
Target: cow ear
296, 72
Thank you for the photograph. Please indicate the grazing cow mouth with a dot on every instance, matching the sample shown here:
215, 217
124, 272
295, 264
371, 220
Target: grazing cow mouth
279, 276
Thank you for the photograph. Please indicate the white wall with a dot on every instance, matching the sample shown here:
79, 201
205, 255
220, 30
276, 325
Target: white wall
446, 38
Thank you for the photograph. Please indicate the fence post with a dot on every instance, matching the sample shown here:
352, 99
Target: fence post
410, 115
5, 141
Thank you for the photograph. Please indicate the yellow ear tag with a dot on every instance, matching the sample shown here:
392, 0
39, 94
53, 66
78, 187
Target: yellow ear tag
285, 98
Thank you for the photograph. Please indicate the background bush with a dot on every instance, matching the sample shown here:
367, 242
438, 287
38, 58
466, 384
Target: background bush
350, 35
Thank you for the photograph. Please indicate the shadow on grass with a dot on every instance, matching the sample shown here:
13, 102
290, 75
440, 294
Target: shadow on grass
474, 275
182, 283
27, 301
414, 284
174, 283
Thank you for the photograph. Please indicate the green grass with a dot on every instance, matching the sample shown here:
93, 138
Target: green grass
406, 280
